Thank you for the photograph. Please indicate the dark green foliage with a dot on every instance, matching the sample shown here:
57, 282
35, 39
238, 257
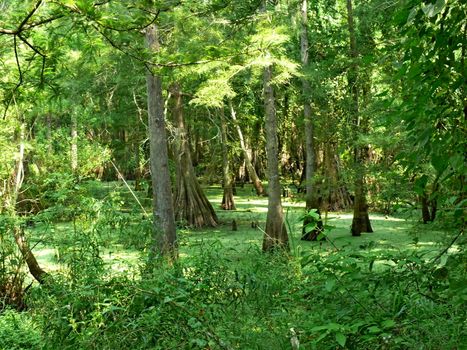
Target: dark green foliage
385, 300
18, 332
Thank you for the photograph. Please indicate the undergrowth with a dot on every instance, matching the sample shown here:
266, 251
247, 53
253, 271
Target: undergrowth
252, 300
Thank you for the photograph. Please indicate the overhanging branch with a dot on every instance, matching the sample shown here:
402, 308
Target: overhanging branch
20, 72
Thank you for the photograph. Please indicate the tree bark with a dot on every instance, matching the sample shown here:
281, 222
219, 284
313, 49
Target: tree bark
191, 204
275, 235
74, 142
228, 202
34, 268
361, 220
312, 195
249, 165
164, 232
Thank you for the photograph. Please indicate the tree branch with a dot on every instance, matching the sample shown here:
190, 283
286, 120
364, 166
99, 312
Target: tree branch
116, 46
36, 51
144, 26
43, 21
7, 31
20, 82
29, 15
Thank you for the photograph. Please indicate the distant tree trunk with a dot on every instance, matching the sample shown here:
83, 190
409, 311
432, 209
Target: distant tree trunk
48, 131
335, 194
249, 166
429, 204
275, 235
361, 220
74, 142
312, 195
191, 204
228, 202
164, 233
426, 217
139, 146
139, 168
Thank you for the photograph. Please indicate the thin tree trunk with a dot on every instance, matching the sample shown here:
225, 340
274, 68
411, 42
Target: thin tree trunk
228, 202
74, 142
312, 196
249, 166
164, 233
138, 170
34, 268
191, 204
36, 271
361, 220
275, 235
48, 131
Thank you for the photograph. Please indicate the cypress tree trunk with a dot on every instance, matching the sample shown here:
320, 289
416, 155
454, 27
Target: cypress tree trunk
312, 196
361, 220
191, 204
249, 165
228, 202
275, 235
335, 194
164, 233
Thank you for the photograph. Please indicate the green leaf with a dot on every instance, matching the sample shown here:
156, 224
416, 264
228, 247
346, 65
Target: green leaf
321, 337
412, 14
374, 329
310, 227
441, 273
313, 213
443, 260
439, 162
341, 339
420, 184
370, 267
400, 17
329, 285
388, 323
330, 327
432, 10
